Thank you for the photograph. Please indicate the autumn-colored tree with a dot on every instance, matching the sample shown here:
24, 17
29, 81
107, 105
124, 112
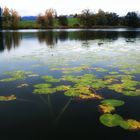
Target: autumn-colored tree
7, 17
41, 20
11, 18
14, 19
50, 14
46, 19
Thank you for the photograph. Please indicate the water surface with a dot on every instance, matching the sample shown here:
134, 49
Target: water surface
55, 53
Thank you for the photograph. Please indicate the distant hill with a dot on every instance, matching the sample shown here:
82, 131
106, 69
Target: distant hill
29, 17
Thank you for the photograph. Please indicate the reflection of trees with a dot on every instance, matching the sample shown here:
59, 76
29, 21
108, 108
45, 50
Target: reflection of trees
48, 37
63, 35
1, 42
9, 40
51, 37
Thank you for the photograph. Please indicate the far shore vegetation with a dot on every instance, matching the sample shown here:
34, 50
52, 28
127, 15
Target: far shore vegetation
10, 19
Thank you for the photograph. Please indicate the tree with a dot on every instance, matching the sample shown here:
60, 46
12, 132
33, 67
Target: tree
112, 19
46, 19
50, 14
100, 18
86, 18
14, 19
7, 16
132, 19
41, 20
63, 21
11, 18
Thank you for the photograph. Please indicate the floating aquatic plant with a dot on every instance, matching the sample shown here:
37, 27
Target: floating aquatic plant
113, 72
101, 69
72, 69
50, 79
113, 102
111, 120
62, 88
17, 75
108, 105
106, 108
8, 98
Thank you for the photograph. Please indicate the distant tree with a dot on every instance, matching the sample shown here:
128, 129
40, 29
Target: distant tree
63, 21
41, 20
101, 18
132, 19
86, 18
10, 18
112, 19
50, 14
46, 19
15, 18
7, 17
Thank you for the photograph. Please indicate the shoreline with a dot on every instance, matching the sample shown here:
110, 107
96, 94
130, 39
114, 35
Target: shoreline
68, 27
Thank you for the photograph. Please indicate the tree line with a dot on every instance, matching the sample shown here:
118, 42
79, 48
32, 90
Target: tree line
86, 19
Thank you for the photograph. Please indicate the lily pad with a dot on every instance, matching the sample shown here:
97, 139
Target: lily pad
132, 93
62, 88
111, 120
112, 102
8, 98
106, 108
50, 79
16, 75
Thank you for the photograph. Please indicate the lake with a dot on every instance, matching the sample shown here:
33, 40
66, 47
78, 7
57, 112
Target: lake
73, 83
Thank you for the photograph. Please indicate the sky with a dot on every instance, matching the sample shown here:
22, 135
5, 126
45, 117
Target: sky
34, 7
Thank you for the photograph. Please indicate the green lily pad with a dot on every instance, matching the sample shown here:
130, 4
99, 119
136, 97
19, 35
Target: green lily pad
132, 93
101, 69
111, 120
50, 79
17, 75
112, 102
62, 88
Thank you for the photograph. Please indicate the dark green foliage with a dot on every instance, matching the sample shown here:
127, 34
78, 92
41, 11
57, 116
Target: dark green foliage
100, 18
132, 19
86, 18
63, 21
112, 19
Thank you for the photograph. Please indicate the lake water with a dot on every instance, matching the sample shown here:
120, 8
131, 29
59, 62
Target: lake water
48, 77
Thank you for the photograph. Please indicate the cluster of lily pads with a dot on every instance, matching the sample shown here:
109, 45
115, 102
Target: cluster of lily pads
82, 86
85, 87
112, 120
17, 75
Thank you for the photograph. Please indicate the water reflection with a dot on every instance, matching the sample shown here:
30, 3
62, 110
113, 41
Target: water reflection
9, 40
1, 42
47, 37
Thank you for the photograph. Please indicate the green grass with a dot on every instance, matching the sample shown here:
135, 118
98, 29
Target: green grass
29, 24
72, 21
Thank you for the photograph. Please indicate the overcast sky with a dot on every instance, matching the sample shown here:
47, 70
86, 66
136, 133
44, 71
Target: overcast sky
34, 7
